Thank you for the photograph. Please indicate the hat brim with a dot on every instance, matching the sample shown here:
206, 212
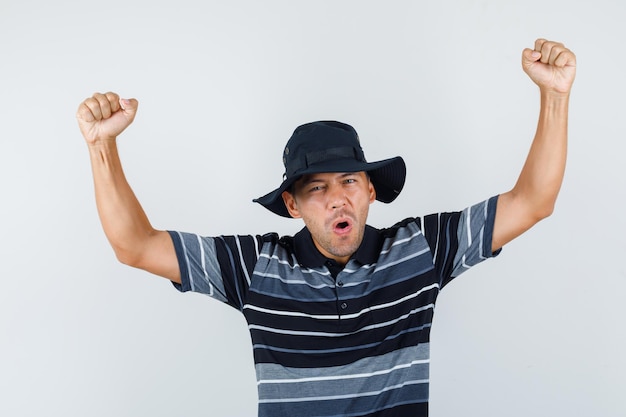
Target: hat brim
387, 176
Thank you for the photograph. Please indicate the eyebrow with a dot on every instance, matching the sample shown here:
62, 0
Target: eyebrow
310, 178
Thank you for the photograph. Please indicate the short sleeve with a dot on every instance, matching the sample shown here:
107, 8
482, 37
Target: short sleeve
460, 240
474, 234
199, 268
219, 267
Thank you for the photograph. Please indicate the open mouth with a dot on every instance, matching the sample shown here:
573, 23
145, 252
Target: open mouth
342, 226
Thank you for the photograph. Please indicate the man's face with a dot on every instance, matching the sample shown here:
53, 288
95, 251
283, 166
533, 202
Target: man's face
334, 207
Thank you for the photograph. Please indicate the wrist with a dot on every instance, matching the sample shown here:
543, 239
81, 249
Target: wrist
98, 143
102, 147
554, 106
554, 103
554, 95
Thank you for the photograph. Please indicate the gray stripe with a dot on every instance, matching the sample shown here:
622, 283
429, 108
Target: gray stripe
470, 231
368, 402
205, 275
396, 375
334, 396
204, 270
274, 373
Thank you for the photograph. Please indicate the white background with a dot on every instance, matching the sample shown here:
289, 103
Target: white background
221, 85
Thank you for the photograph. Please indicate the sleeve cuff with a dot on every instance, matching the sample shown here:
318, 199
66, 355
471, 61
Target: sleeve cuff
492, 205
185, 285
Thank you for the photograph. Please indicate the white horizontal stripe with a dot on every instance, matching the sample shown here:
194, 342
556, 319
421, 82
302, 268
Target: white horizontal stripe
290, 313
325, 334
350, 270
402, 317
399, 261
292, 265
277, 258
294, 332
341, 377
293, 281
282, 261
401, 241
335, 316
346, 396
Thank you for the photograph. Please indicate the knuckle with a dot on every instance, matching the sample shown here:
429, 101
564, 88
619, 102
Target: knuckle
82, 111
90, 103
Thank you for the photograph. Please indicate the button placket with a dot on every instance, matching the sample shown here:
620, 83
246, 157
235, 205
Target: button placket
339, 285
336, 272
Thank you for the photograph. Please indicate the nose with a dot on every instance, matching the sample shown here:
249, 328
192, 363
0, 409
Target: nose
336, 197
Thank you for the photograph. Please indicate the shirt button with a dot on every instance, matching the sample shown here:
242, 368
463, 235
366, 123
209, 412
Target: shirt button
344, 306
340, 284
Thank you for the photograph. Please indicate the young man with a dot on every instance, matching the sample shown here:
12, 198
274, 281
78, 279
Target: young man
339, 314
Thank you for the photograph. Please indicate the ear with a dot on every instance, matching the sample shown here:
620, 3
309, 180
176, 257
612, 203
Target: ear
372, 191
291, 204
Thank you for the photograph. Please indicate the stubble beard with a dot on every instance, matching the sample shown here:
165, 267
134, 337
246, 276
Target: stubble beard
341, 246
341, 249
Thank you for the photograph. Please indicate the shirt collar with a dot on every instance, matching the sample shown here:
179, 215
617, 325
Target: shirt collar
308, 255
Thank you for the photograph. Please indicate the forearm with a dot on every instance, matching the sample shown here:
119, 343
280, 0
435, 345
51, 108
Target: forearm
552, 67
542, 175
123, 219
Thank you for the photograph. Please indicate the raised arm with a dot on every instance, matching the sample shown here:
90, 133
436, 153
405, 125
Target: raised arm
101, 119
552, 67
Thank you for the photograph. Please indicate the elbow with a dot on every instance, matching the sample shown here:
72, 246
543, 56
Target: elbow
543, 211
127, 257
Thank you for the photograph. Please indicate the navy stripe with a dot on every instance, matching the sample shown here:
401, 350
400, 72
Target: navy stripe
411, 393
182, 265
346, 354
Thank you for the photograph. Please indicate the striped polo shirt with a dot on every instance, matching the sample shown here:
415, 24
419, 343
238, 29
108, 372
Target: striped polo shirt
331, 341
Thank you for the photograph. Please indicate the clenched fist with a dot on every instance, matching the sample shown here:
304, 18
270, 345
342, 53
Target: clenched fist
103, 117
550, 65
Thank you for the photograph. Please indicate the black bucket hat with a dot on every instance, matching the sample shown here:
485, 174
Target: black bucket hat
330, 146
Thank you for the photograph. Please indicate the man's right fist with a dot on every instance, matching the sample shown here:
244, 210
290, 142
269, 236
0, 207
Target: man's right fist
104, 116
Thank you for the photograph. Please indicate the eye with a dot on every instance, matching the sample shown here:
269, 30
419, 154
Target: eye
349, 181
